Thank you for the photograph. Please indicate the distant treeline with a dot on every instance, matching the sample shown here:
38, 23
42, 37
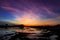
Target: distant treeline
52, 28
7, 26
55, 27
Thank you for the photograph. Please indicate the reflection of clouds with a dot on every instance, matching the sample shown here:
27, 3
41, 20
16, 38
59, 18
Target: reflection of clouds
32, 36
8, 37
31, 30
6, 34
53, 37
35, 34
26, 30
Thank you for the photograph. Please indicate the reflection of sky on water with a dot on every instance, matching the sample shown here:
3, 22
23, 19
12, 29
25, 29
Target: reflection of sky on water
34, 34
6, 34
28, 30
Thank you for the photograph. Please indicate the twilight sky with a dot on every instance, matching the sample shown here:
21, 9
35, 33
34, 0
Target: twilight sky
30, 12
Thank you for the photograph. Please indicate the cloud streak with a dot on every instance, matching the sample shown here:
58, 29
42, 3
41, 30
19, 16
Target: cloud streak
32, 12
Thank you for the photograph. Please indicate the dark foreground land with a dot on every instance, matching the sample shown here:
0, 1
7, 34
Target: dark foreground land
54, 33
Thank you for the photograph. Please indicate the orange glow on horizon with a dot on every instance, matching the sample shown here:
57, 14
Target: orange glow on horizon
32, 23
31, 19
